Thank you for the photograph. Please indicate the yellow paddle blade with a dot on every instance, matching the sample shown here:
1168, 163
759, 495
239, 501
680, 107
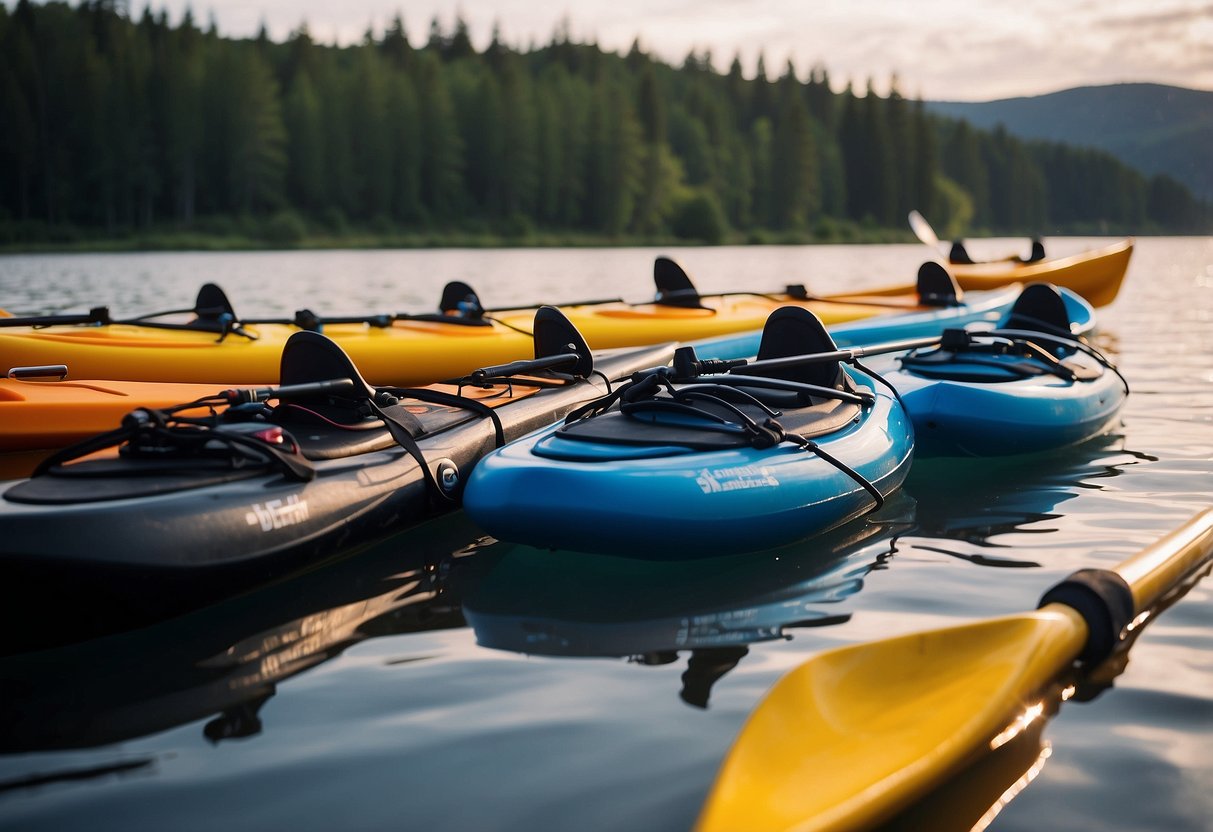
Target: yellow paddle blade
854, 734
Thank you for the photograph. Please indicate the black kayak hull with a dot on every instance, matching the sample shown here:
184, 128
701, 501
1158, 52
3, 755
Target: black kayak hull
158, 553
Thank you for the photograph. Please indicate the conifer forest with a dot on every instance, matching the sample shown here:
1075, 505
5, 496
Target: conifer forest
115, 123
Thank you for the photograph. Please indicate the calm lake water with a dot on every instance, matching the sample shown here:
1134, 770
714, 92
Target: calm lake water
443, 681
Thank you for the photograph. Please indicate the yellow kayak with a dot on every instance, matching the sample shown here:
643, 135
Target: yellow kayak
1096, 275
216, 347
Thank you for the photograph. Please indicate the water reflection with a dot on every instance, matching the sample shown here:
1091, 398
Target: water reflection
225, 661
553, 603
976, 500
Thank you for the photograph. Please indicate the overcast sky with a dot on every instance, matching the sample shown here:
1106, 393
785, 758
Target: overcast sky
971, 50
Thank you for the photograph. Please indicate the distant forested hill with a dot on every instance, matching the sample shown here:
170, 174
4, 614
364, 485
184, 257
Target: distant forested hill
1154, 128
114, 126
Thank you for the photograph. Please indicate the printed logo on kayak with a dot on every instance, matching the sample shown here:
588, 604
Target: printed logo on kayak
277, 514
719, 480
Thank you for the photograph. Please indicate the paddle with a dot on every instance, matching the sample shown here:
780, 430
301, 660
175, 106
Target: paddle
923, 230
855, 734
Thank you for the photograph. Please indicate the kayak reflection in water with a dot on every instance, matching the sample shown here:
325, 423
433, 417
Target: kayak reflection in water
705, 666
239, 721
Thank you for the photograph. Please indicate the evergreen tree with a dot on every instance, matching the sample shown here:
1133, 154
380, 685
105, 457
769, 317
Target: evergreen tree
795, 185
306, 156
395, 46
442, 175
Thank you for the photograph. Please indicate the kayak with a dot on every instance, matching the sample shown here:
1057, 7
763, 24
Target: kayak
42, 409
1008, 391
732, 462
213, 345
1096, 275
209, 502
976, 309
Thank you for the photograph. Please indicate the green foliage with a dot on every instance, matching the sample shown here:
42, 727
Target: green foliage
284, 228
140, 130
699, 217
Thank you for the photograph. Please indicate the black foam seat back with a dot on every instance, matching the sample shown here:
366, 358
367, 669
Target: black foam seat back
674, 286
1039, 306
555, 334
309, 357
959, 254
937, 286
458, 296
794, 330
212, 303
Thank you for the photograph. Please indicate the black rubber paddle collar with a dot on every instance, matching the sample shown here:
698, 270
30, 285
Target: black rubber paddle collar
1104, 601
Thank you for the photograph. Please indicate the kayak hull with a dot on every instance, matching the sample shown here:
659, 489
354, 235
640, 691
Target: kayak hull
693, 503
215, 538
985, 308
1028, 415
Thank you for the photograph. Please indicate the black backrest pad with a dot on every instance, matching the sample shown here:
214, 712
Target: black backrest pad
1039, 303
555, 334
670, 277
794, 330
455, 293
212, 302
310, 356
936, 286
674, 287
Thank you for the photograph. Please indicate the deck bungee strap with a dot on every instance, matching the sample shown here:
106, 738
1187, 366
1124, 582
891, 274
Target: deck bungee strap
165, 434
982, 348
1066, 344
212, 312
714, 404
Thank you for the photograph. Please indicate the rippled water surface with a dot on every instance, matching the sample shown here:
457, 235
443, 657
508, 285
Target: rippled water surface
443, 681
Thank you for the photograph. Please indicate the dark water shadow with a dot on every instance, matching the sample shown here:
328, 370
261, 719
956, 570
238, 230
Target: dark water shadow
223, 662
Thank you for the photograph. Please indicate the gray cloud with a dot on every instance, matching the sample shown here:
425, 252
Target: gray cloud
955, 49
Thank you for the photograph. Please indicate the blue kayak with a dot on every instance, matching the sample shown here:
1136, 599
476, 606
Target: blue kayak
731, 461
1018, 389
954, 309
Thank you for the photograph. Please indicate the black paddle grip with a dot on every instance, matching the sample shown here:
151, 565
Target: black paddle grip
1104, 600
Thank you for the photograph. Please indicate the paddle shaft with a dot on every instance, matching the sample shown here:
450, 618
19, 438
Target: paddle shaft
99, 315
1155, 570
311, 388
526, 366
716, 366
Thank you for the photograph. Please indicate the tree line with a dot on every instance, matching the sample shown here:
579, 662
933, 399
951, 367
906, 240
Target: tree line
113, 124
